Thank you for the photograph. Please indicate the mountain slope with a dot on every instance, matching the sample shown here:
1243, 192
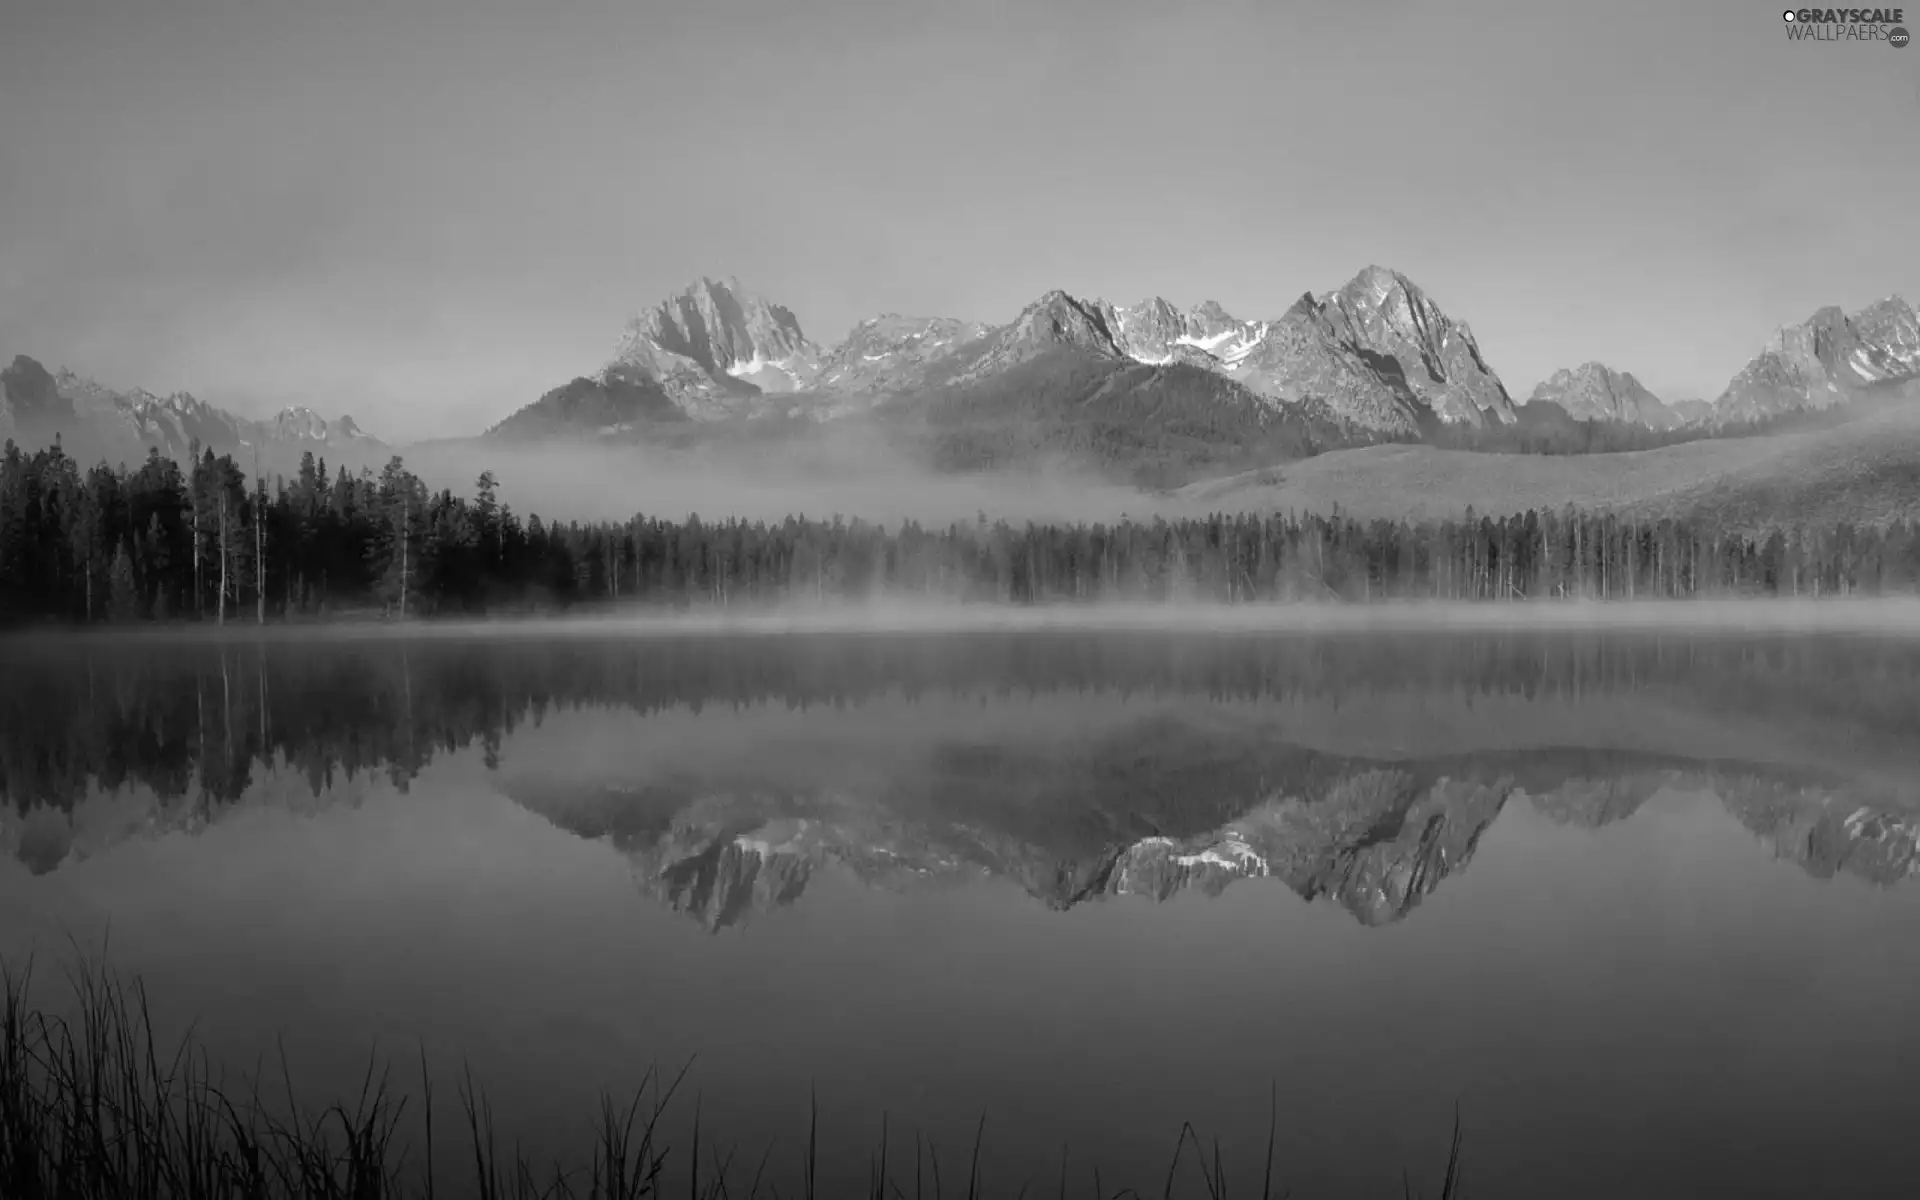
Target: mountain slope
1828, 359
619, 400
1156, 425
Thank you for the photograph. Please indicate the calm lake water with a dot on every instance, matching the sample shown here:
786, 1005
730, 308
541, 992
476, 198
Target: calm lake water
1636, 903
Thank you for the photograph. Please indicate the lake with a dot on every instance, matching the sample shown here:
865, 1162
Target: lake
1635, 904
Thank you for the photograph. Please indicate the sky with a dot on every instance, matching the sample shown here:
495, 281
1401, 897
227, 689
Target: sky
426, 213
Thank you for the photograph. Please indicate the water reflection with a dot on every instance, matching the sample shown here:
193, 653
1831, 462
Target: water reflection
1363, 770
1055, 877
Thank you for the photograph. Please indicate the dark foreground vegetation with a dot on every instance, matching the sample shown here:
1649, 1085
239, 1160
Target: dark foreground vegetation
94, 1107
208, 543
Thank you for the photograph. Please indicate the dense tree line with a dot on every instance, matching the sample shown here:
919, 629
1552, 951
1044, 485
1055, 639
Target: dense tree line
214, 543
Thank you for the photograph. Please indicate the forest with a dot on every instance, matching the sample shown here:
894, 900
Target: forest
210, 543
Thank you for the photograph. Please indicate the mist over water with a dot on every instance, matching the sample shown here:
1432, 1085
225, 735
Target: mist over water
1604, 887
896, 613
838, 470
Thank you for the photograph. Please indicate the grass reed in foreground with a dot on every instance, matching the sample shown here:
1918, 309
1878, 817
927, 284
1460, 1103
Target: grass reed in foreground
92, 1108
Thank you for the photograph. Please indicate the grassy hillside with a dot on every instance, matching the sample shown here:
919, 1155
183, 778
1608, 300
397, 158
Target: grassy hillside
1865, 470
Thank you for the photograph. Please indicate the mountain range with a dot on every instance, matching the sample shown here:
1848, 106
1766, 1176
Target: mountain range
1378, 353
96, 422
1374, 359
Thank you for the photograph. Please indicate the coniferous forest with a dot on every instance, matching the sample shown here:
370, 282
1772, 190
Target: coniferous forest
209, 542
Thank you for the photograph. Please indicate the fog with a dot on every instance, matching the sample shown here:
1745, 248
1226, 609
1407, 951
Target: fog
847, 471
1876, 616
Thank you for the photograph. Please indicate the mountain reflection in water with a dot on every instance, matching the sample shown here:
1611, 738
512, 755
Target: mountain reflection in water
937, 862
1359, 768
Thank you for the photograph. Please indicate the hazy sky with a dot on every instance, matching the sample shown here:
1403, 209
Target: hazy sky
426, 213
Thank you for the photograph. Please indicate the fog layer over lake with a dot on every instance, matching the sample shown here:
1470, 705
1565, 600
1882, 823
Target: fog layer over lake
1637, 901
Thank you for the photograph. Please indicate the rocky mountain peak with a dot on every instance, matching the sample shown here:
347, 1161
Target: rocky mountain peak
715, 342
741, 327
1594, 391
1381, 287
1053, 321
1381, 311
1209, 319
1147, 331
1826, 360
299, 423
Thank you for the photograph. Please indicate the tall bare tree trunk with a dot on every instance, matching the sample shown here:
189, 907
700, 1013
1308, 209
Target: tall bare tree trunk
259, 543
199, 589
222, 610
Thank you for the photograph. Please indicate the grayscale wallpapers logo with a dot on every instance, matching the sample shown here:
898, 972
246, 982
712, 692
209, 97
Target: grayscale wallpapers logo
1847, 25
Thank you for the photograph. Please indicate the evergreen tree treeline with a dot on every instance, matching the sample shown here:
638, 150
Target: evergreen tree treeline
216, 543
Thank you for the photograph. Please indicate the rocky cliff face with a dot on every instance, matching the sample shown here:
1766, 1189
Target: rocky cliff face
1828, 359
715, 345
1594, 391
1296, 357
301, 426
893, 354
1054, 321
1382, 312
